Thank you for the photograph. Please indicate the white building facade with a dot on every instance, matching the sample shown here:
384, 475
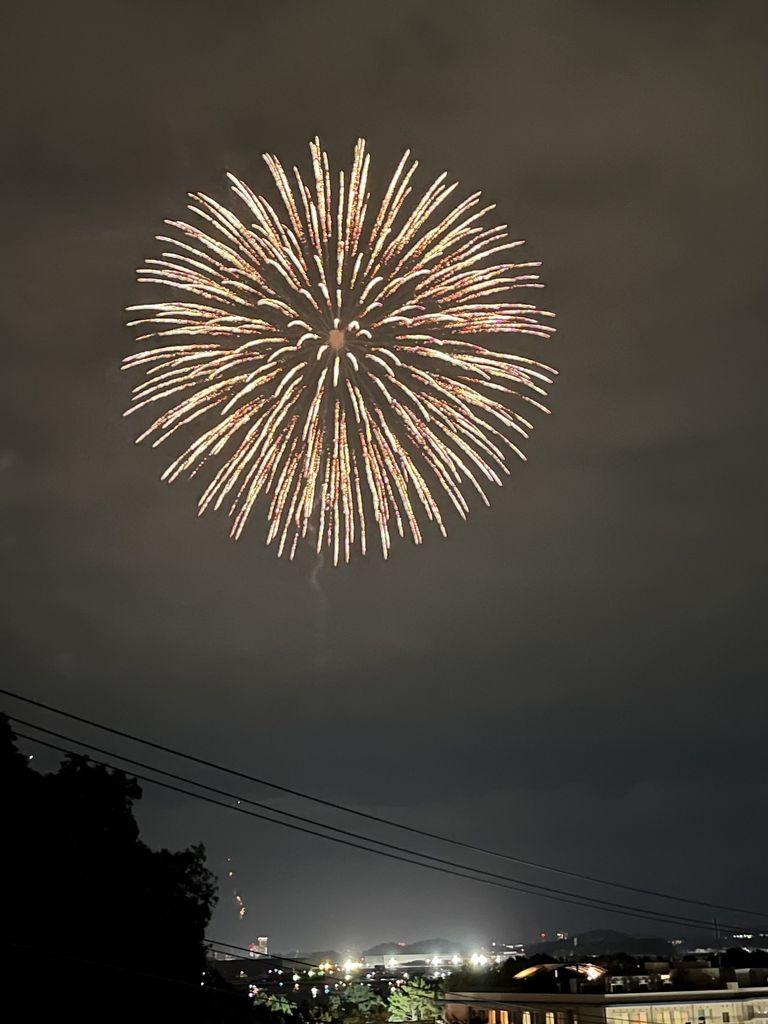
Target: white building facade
713, 1006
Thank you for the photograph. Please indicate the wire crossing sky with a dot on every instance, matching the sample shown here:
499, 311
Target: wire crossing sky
420, 853
575, 679
340, 353
492, 879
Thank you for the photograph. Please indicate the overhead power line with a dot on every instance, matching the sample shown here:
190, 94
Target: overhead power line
274, 957
379, 819
553, 895
531, 887
123, 969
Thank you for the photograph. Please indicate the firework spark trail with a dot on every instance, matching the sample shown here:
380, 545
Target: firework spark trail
339, 350
237, 899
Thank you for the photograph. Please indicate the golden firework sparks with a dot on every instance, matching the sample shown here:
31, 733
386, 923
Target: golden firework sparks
333, 357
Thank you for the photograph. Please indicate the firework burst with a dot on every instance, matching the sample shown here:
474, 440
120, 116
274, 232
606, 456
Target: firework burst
332, 355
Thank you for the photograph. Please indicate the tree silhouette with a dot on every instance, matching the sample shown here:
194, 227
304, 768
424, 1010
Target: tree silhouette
356, 1004
414, 1000
272, 1008
92, 921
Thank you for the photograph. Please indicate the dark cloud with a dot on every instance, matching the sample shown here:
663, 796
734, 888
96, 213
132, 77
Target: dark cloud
577, 675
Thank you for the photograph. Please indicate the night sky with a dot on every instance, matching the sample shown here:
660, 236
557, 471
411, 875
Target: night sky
577, 674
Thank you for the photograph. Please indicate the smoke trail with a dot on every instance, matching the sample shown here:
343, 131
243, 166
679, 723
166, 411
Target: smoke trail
321, 613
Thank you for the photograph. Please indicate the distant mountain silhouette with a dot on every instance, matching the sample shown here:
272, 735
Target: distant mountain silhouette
425, 947
600, 942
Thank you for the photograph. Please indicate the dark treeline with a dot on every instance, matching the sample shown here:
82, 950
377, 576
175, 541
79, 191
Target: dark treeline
92, 921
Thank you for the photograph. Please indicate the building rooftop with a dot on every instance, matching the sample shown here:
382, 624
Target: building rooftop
501, 1000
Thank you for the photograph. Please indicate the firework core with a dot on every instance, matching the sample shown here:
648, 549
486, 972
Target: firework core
336, 340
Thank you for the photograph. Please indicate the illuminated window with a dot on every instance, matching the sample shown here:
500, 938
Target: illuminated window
492, 1017
526, 1017
550, 1017
503, 1017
